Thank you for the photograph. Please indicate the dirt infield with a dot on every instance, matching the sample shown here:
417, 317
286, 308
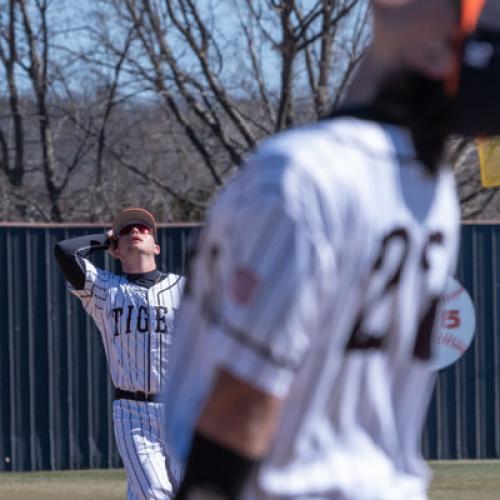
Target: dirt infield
453, 480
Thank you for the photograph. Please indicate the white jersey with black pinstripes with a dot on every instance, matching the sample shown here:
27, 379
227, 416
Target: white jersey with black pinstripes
316, 280
135, 323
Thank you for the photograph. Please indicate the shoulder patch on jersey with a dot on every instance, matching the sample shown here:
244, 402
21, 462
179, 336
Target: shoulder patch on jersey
244, 284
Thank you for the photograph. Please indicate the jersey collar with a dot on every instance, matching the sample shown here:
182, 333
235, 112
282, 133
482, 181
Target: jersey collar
146, 280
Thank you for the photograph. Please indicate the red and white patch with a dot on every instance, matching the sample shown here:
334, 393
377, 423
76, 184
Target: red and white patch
245, 282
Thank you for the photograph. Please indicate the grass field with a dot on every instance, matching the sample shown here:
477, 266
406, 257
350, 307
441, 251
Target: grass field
466, 480
67, 485
454, 480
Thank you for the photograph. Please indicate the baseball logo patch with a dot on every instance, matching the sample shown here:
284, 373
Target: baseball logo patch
457, 325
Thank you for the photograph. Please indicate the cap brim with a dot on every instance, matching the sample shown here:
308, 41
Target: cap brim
133, 215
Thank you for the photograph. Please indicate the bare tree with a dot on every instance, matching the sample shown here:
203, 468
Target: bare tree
307, 35
163, 99
37, 40
217, 84
14, 171
28, 64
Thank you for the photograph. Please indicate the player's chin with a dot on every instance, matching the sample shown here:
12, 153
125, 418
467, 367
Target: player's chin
136, 244
140, 248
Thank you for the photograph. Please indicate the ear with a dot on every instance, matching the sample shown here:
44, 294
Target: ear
157, 249
114, 251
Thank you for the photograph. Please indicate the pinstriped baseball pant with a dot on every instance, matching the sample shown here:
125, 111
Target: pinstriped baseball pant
151, 473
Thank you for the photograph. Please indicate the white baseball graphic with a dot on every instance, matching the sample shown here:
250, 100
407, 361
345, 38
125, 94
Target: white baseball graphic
457, 325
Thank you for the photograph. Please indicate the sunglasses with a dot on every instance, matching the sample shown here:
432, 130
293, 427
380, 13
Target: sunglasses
142, 228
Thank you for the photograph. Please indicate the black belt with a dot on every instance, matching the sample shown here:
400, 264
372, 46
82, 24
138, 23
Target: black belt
135, 396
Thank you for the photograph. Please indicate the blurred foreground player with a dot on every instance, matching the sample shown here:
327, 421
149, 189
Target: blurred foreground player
299, 365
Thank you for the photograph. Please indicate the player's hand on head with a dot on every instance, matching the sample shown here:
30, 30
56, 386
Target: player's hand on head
113, 244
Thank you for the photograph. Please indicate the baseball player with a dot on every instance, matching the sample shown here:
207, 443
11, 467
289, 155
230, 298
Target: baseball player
134, 313
299, 367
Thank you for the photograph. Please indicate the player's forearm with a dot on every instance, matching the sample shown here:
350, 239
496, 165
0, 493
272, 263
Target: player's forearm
234, 432
69, 254
240, 416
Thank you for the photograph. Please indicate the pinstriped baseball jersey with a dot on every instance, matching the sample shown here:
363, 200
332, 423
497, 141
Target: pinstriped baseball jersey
316, 279
135, 324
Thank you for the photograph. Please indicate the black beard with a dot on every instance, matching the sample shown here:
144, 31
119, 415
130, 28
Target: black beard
418, 103
422, 105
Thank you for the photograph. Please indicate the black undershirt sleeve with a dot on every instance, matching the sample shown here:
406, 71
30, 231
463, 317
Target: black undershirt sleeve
214, 471
70, 253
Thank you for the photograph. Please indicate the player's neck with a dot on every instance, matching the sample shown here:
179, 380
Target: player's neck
138, 264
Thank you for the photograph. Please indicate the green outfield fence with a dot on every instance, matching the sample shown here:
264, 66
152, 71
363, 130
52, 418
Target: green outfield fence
55, 393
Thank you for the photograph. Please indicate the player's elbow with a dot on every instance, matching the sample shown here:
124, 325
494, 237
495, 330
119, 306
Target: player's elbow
58, 253
63, 253
69, 266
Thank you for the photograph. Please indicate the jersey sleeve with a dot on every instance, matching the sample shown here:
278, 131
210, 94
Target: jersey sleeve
95, 291
69, 254
265, 277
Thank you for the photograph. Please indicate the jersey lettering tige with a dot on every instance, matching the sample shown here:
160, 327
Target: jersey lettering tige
135, 323
316, 280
